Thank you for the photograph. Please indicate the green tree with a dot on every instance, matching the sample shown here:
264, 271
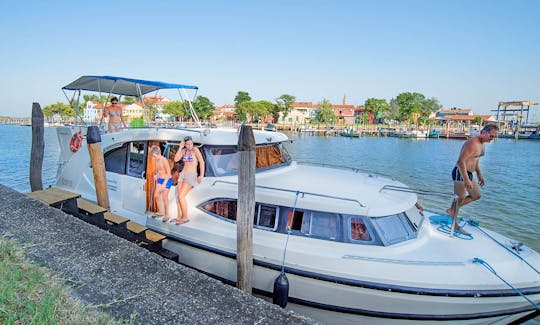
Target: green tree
128, 100
151, 108
478, 120
175, 108
241, 97
408, 104
393, 111
203, 107
284, 104
377, 106
58, 109
325, 113
430, 105
253, 111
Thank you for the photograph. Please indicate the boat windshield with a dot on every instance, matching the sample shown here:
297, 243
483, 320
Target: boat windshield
224, 160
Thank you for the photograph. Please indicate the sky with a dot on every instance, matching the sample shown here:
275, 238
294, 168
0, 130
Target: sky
467, 54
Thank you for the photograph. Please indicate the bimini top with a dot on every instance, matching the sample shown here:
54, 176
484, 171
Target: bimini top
121, 86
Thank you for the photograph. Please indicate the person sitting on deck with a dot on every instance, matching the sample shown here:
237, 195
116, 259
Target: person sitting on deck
164, 182
191, 156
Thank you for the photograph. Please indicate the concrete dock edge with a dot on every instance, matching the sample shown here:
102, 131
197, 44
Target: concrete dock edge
104, 269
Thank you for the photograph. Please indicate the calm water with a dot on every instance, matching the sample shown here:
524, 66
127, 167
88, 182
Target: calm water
510, 199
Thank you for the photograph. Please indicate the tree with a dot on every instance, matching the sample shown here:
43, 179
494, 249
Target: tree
203, 107
325, 112
175, 108
241, 97
284, 104
393, 111
58, 109
128, 100
408, 104
253, 111
151, 108
429, 106
377, 106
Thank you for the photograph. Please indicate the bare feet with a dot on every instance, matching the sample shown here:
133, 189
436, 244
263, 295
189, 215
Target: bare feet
461, 230
179, 221
165, 219
450, 212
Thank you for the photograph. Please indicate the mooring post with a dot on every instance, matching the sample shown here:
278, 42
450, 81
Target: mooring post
38, 146
93, 138
245, 209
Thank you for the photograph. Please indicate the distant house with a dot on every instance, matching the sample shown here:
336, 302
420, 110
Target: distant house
455, 115
133, 111
225, 112
92, 112
159, 102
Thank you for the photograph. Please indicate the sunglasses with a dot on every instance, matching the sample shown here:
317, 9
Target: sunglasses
114, 102
188, 138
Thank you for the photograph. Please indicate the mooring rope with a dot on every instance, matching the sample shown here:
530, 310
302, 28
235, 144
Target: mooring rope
477, 225
492, 270
289, 233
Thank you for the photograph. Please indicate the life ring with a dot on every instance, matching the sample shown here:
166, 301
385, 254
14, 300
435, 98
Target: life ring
76, 142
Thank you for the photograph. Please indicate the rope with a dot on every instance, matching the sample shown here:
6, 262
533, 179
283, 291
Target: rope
492, 270
289, 233
477, 225
446, 229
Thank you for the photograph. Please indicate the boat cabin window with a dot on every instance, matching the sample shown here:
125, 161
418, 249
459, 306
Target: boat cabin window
358, 230
394, 228
115, 160
314, 224
265, 215
225, 160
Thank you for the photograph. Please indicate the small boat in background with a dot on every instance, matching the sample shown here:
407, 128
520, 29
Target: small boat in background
350, 133
270, 127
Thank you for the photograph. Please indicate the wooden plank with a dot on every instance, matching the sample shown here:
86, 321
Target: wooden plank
135, 227
154, 236
53, 195
114, 218
89, 207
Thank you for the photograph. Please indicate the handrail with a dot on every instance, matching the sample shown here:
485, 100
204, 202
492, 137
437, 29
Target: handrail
417, 191
295, 191
356, 170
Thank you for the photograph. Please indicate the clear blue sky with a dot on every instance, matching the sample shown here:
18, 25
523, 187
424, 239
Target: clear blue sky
468, 54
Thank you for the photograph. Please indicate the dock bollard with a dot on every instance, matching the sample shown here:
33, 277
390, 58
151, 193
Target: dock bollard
93, 138
38, 148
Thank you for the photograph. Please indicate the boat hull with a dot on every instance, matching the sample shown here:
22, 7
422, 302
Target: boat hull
312, 293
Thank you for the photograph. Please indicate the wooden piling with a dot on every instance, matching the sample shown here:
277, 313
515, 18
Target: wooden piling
246, 208
93, 138
38, 147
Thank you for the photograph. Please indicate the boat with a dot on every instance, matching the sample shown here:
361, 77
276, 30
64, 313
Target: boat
350, 133
353, 244
434, 134
270, 127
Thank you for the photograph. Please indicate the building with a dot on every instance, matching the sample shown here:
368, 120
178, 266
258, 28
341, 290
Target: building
225, 112
159, 102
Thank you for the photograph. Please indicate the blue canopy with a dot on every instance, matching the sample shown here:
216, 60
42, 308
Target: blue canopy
121, 86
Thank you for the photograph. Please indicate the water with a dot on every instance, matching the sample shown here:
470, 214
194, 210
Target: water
510, 198
509, 202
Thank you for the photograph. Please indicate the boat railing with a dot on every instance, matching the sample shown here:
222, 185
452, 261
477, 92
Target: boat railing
303, 193
417, 191
356, 170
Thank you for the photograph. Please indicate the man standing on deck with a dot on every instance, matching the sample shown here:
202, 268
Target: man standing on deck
467, 163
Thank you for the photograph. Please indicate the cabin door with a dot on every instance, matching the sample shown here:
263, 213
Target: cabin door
134, 183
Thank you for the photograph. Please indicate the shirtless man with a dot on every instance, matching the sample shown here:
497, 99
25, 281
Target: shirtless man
192, 157
464, 187
164, 182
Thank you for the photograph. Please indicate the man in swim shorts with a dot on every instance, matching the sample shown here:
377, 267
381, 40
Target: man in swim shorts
465, 189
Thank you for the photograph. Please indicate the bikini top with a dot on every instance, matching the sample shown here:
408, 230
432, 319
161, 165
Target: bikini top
189, 158
114, 114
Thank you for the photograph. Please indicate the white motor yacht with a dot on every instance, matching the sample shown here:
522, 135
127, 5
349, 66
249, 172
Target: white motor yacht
352, 244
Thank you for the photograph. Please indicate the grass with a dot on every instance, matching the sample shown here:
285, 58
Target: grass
30, 294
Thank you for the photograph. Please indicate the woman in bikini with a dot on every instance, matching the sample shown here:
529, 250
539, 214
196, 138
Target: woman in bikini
115, 115
191, 156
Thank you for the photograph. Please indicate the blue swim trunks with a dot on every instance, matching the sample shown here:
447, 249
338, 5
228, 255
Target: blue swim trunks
162, 180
